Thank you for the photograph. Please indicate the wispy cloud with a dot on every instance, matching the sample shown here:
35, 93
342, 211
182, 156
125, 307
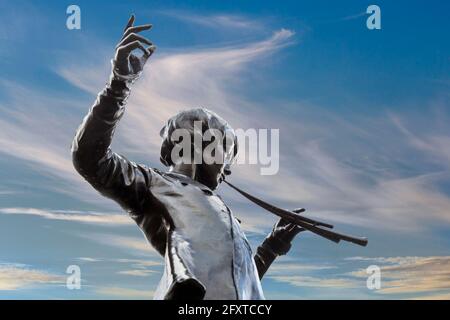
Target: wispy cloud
138, 246
227, 21
352, 16
411, 275
124, 293
384, 171
316, 282
361, 189
136, 272
134, 267
436, 145
48, 150
73, 216
135, 263
4, 192
344, 18
437, 296
18, 276
425, 277
301, 274
289, 267
140, 263
89, 259
39, 134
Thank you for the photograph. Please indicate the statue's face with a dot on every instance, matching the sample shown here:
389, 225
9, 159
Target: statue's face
214, 165
209, 174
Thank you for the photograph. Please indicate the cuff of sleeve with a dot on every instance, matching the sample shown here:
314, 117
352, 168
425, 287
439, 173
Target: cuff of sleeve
276, 245
119, 85
265, 253
128, 79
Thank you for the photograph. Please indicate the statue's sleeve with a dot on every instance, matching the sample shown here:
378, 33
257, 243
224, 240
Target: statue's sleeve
109, 173
272, 247
263, 259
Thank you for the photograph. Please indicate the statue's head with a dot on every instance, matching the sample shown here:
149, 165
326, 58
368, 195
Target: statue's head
202, 139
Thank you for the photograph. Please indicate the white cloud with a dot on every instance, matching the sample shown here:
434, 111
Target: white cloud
435, 145
124, 293
141, 263
437, 296
139, 246
19, 276
216, 21
316, 282
136, 272
343, 171
89, 259
138, 267
75, 216
411, 275
406, 276
135, 263
290, 267
40, 134
300, 274
171, 84
4, 192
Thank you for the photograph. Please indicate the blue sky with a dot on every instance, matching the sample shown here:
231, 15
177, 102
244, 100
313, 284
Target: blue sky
364, 139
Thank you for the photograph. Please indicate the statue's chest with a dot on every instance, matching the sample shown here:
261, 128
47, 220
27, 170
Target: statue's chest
192, 206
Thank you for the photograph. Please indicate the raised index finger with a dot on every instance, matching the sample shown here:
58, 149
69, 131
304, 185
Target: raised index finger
129, 23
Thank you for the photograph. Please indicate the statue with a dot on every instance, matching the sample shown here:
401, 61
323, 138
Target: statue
207, 255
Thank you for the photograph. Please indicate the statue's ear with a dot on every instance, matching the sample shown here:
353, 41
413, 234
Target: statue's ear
166, 148
162, 131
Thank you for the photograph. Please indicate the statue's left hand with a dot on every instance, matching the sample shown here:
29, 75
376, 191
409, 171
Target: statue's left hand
286, 231
126, 63
279, 240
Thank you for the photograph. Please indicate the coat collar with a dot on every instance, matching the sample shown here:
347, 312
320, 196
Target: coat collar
184, 179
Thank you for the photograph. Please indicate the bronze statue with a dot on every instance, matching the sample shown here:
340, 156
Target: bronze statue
206, 253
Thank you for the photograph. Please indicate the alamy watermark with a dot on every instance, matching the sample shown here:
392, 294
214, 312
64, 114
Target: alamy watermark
258, 146
73, 281
374, 279
73, 21
374, 20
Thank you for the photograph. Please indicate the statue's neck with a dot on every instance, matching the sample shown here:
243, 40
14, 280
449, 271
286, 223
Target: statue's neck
185, 169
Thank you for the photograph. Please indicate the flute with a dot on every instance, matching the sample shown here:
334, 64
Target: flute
314, 226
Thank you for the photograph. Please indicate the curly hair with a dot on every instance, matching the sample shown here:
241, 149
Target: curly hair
185, 120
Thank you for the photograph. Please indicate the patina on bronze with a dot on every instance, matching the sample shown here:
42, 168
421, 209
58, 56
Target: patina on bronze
206, 253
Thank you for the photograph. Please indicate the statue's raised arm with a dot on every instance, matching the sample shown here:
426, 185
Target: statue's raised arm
109, 173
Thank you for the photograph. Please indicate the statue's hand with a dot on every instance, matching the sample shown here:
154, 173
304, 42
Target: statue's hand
126, 64
285, 230
279, 240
